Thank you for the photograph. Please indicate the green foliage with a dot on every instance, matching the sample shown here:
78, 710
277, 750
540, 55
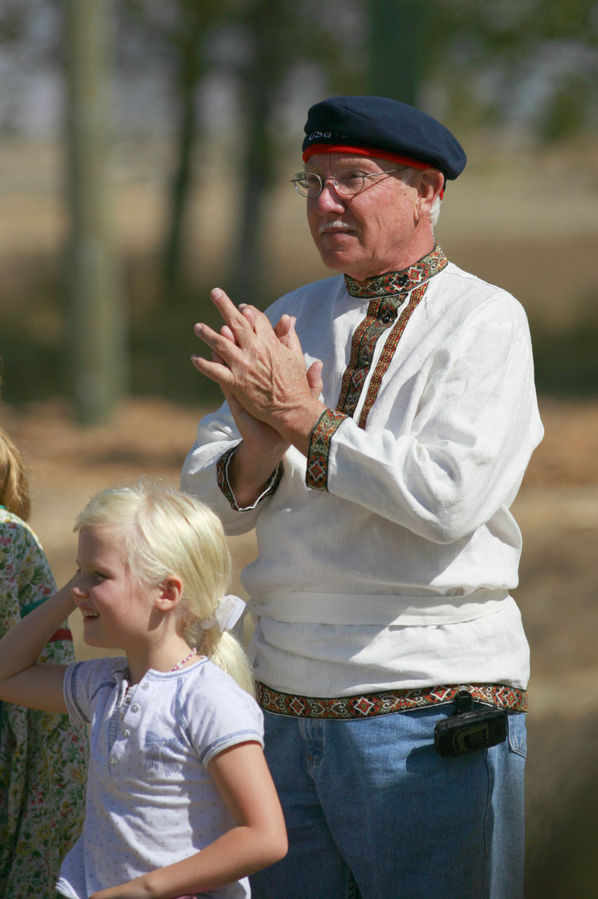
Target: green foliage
566, 362
565, 115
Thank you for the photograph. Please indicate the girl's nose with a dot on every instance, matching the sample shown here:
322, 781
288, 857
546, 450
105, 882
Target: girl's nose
78, 589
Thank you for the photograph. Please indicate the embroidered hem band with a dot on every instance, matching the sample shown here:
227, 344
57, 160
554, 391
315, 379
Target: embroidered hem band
369, 705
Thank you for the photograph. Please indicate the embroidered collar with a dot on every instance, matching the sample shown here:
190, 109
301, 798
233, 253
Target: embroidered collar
398, 282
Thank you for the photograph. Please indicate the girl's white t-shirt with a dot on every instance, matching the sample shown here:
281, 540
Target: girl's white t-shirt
150, 798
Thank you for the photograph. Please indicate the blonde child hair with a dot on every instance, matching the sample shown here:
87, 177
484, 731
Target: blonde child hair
14, 489
162, 531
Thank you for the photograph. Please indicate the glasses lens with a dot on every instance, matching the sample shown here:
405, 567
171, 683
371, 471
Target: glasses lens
308, 184
349, 183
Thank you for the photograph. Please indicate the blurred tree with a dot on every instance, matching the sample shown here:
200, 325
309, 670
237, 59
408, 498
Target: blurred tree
179, 34
192, 19
396, 49
96, 314
282, 37
258, 46
531, 63
269, 30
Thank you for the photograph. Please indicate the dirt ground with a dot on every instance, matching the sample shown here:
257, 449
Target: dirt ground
558, 512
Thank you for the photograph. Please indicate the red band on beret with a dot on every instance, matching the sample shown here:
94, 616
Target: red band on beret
366, 151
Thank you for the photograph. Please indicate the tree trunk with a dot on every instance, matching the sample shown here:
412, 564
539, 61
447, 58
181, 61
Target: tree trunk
271, 58
192, 16
396, 49
96, 340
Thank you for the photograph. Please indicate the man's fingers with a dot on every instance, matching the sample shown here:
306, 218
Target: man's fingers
314, 378
232, 316
244, 321
213, 370
260, 323
226, 332
225, 347
285, 331
284, 327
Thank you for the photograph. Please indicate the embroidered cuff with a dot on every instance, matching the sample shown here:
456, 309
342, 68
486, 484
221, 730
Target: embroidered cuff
316, 475
225, 487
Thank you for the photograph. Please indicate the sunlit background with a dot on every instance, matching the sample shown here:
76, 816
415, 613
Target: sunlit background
146, 150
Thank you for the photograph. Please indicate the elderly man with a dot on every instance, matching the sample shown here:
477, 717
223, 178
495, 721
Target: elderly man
377, 427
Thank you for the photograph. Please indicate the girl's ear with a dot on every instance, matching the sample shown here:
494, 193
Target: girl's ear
169, 593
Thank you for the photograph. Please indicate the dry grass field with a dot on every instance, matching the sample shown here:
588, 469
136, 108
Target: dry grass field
523, 221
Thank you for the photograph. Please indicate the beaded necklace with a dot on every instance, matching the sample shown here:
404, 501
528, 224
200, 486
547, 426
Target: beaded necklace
185, 660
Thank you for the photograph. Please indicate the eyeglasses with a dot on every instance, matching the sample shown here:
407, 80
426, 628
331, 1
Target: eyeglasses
346, 184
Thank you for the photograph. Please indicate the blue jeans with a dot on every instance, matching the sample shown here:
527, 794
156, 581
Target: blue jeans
373, 811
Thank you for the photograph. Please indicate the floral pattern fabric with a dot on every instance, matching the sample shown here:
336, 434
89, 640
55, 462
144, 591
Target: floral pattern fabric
43, 758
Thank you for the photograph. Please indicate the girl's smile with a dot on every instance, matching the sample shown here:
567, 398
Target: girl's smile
116, 609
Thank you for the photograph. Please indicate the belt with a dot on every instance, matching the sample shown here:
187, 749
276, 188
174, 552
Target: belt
369, 705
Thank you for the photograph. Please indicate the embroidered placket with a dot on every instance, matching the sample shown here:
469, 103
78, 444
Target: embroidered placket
387, 294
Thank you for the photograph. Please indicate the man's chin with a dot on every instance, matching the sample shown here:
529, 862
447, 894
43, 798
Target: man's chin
338, 255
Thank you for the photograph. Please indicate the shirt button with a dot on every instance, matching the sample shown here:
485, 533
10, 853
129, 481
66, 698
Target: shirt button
113, 762
135, 707
145, 686
126, 732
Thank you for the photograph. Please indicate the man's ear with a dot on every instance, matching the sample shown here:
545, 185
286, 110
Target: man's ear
431, 184
169, 593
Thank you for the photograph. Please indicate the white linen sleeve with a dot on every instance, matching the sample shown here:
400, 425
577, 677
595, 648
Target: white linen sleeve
463, 452
205, 469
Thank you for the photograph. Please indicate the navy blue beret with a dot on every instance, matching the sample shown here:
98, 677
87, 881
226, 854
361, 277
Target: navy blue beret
379, 123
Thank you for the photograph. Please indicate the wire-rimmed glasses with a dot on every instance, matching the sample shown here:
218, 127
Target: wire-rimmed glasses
346, 184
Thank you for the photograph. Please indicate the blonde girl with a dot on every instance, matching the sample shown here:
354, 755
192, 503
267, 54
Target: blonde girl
42, 757
180, 801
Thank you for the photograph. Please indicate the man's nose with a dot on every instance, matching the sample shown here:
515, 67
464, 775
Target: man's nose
328, 199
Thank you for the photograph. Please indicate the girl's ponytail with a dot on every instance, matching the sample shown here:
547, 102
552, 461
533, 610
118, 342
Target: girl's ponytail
225, 651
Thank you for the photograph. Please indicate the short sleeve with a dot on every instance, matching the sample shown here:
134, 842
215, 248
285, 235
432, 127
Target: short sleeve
221, 715
82, 683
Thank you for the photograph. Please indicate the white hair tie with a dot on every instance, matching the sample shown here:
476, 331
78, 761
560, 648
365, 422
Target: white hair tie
226, 614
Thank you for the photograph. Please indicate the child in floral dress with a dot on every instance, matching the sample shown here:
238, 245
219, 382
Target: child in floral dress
42, 756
